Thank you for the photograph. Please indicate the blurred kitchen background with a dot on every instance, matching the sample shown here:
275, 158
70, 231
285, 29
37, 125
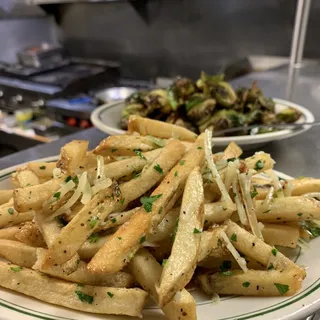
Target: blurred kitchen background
61, 59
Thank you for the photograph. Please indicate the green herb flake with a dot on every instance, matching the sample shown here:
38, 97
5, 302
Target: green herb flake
137, 175
231, 159
94, 237
147, 202
93, 221
159, 142
259, 165
164, 261
199, 148
312, 228
42, 167
119, 238
75, 180
271, 266
114, 150
142, 239
68, 178
254, 193
182, 162
282, 288
195, 230
113, 220
274, 251
16, 269
219, 242
122, 201
173, 235
226, 265
84, 297
11, 211
246, 284
299, 214
158, 168
227, 273
176, 174
138, 152
267, 211
160, 210
110, 294
234, 237
57, 195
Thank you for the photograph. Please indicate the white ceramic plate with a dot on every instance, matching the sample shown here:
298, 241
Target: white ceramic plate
107, 119
14, 306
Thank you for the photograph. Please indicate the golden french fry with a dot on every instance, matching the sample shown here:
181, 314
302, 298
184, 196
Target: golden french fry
91, 247
5, 196
124, 145
304, 185
9, 233
30, 235
18, 253
295, 208
252, 283
82, 275
281, 235
128, 238
159, 129
260, 161
258, 250
100, 206
216, 212
104, 300
71, 155
232, 151
147, 272
9, 216
179, 268
32, 198
24, 178
44, 170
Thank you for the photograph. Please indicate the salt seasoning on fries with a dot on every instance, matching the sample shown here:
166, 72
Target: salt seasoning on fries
156, 208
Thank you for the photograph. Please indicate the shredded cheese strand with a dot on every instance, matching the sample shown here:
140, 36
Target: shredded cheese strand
241, 261
231, 173
240, 207
276, 183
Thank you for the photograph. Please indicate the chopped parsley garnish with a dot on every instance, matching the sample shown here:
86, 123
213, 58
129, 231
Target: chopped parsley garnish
11, 211
75, 180
254, 193
148, 201
122, 201
16, 269
164, 261
274, 251
312, 228
195, 230
84, 297
113, 220
173, 235
219, 242
157, 141
259, 165
68, 178
110, 294
267, 211
226, 265
271, 266
94, 237
114, 150
300, 214
158, 168
231, 159
282, 288
142, 239
199, 148
176, 174
57, 195
246, 284
138, 152
137, 175
182, 162
227, 273
119, 238
234, 237
42, 167
160, 210
93, 222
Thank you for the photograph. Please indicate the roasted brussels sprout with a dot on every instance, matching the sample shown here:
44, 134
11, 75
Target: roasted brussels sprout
134, 108
158, 100
288, 115
179, 92
137, 97
268, 118
224, 94
254, 116
199, 109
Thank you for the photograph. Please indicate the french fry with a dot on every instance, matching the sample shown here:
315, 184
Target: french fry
24, 178
103, 300
5, 196
29, 234
162, 250
117, 219
304, 185
90, 248
281, 235
32, 198
82, 275
216, 212
9, 233
9, 216
100, 206
147, 272
232, 151
18, 253
284, 209
117, 253
182, 262
252, 283
71, 155
124, 145
159, 129
43, 170
126, 167
258, 250
260, 157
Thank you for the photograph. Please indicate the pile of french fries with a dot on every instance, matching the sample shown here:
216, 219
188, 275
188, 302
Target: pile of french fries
152, 212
